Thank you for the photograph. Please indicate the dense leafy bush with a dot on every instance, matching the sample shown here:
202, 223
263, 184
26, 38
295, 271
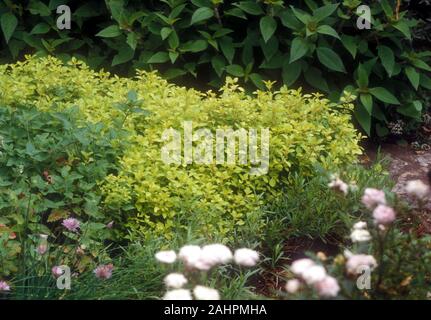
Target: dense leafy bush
312, 43
305, 130
50, 168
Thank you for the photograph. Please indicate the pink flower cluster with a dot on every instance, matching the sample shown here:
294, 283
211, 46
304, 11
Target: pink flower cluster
356, 263
373, 197
57, 271
383, 215
313, 275
104, 271
375, 200
71, 224
4, 286
42, 248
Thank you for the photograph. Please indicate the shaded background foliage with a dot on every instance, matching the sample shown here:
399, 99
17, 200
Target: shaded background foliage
314, 44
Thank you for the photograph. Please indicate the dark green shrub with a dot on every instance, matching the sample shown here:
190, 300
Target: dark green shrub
50, 167
311, 43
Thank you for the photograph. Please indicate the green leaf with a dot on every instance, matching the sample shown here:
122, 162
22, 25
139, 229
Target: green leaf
213, 43
367, 101
190, 67
235, 70
132, 40
412, 110
109, 32
386, 8
362, 77
424, 54
173, 40
384, 95
236, 12
222, 32
15, 47
124, 55
425, 81
269, 49
350, 43
268, 25
159, 57
40, 28
30, 149
312, 5
8, 25
421, 64
325, 29
368, 65
202, 14
165, 19
381, 130
301, 15
132, 96
276, 61
314, 77
363, 118
247, 52
289, 20
227, 47
38, 7
165, 32
324, 12
174, 73
177, 11
387, 58
298, 49
330, 59
195, 46
291, 72
257, 81
413, 76
173, 56
378, 113
218, 64
206, 35
402, 26
250, 7
248, 69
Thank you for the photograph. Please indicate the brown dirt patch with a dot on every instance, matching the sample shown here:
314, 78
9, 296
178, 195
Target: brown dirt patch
405, 164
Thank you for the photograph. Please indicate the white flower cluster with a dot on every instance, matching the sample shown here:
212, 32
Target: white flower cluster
313, 275
201, 259
360, 232
339, 185
206, 257
417, 189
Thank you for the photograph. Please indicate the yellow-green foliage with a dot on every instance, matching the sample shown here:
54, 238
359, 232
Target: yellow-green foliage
305, 130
